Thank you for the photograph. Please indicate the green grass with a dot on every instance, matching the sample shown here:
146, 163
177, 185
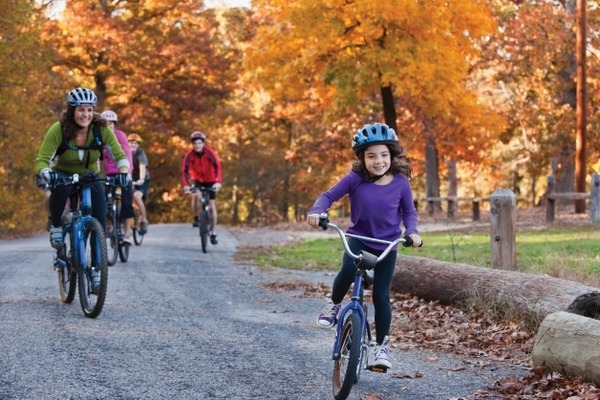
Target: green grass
571, 253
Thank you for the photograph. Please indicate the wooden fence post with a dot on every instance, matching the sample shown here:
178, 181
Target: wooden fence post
595, 199
451, 208
550, 201
503, 218
476, 212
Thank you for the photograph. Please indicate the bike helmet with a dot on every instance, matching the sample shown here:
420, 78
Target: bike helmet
373, 134
134, 137
81, 95
109, 115
197, 135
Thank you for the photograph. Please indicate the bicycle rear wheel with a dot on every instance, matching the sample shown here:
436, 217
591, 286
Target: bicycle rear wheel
345, 367
204, 230
67, 277
92, 290
112, 238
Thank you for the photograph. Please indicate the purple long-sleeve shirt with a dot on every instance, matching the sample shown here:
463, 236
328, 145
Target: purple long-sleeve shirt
375, 210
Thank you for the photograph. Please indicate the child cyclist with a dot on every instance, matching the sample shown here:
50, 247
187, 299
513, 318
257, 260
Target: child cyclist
380, 201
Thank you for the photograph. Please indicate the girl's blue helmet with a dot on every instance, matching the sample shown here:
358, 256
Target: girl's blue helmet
81, 95
373, 134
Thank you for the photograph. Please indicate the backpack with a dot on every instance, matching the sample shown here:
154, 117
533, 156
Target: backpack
96, 144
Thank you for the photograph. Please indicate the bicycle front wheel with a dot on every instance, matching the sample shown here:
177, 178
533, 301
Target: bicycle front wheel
112, 238
345, 367
138, 238
123, 250
93, 280
67, 277
204, 229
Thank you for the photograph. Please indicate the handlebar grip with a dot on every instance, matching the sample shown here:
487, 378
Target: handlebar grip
408, 242
323, 221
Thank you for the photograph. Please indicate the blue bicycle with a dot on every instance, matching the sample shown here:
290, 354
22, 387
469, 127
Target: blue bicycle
353, 332
83, 256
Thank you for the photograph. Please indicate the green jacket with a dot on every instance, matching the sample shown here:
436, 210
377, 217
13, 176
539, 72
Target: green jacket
74, 161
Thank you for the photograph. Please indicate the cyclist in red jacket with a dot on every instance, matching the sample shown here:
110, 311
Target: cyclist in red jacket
201, 167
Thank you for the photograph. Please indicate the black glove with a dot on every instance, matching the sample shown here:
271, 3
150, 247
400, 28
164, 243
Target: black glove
123, 179
50, 177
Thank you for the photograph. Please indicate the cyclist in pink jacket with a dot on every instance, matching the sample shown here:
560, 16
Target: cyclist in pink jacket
110, 168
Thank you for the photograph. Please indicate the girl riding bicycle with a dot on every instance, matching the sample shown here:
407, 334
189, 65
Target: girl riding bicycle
380, 201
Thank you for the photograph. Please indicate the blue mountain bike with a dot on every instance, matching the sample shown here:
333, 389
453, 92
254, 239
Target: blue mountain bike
83, 256
353, 332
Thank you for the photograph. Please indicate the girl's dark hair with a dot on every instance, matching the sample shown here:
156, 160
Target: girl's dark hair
400, 161
68, 125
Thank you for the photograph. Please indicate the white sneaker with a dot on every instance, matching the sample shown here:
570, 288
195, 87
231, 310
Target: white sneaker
56, 237
379, 355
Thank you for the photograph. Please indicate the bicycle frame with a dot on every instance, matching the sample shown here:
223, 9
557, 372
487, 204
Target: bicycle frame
80, 212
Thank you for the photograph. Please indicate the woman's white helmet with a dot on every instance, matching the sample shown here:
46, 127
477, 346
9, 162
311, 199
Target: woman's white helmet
109, 115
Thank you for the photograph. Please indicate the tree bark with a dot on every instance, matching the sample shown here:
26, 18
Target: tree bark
568, 344
532, 296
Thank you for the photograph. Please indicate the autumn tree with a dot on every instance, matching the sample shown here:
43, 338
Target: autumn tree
25, 84
533, 73
163, 66
366, 51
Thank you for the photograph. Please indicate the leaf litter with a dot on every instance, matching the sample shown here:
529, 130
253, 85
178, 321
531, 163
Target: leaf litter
417, 323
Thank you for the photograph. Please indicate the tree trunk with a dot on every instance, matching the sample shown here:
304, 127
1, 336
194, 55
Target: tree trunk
568, 344
533, 296
452, 188
389, 108
432, 178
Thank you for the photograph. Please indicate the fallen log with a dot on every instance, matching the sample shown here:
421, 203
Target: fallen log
533, 296
568, 344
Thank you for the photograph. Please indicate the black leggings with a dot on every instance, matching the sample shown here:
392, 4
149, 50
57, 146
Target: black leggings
60, 194
384, 272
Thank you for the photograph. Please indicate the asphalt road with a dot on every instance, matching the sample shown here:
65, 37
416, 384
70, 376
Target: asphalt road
179, 324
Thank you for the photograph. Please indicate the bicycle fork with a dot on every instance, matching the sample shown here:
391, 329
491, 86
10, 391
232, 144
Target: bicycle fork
354, 306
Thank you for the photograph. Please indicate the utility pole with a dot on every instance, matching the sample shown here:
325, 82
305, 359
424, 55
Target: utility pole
580, 142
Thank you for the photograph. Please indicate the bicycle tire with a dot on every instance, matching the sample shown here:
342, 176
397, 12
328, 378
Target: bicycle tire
364, 356
95, 254
112, 237
138, 238
123, 250
345, 367
204, 230
67, 277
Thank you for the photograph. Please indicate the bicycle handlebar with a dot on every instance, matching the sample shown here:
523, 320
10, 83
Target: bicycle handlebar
194, 189
84, 179
364, 259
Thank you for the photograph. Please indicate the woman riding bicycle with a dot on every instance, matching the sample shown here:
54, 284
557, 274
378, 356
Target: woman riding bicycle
110, 168
380, 201
76, 141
